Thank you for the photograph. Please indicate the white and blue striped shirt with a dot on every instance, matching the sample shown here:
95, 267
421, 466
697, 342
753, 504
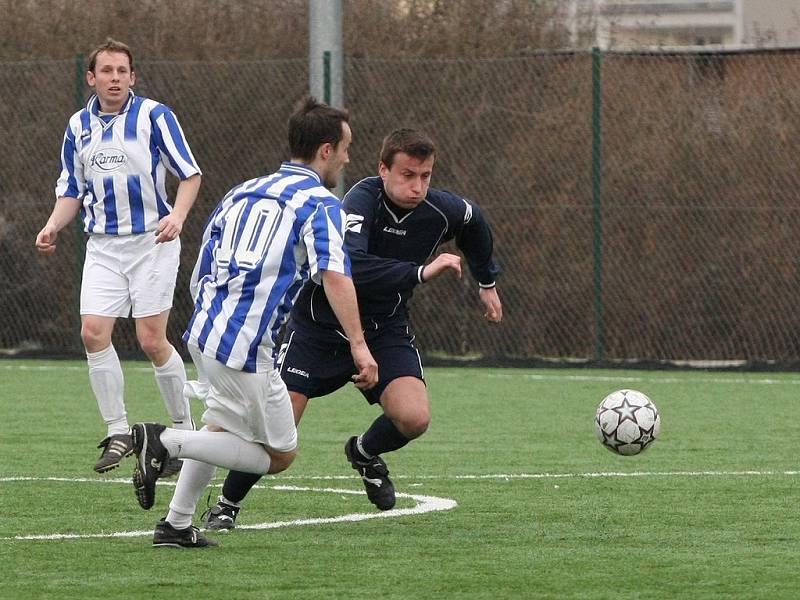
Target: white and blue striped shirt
116, 165
262, 242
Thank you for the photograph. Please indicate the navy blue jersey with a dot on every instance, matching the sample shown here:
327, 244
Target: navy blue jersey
389, 246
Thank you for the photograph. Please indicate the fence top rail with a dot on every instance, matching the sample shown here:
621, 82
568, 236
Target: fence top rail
710, 49
643, 51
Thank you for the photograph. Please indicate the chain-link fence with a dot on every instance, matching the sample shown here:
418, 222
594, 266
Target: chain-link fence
642, 204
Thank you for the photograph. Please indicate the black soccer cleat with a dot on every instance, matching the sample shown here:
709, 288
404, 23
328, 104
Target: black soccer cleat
221, 517
166, 536
375, 474
151, 457
115, 448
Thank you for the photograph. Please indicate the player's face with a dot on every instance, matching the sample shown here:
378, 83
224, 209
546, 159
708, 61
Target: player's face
406, 182
337, 159
112, 78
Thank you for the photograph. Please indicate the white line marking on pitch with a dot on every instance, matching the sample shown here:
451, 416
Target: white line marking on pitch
425, 504
496, 476
691, 377
733, 378
474, 477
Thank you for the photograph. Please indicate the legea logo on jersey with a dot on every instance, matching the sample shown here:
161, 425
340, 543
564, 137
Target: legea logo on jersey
353, 223
106, 160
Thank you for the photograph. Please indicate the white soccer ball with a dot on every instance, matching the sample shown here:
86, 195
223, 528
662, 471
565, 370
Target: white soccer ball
627, 422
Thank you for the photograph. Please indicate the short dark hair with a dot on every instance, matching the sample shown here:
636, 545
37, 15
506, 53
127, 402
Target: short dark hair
409, 141
110, 45
312, 124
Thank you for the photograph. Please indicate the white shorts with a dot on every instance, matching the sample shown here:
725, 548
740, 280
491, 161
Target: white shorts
254, 406
129, 274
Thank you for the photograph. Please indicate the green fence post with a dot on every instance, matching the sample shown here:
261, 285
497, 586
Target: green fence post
597, 224
80, 248
326, 76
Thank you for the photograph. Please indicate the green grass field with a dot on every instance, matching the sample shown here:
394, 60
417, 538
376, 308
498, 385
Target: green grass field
543, 510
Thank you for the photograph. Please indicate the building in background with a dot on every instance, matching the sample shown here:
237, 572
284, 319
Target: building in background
630, 24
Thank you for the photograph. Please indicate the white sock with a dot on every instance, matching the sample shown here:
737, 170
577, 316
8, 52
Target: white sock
219, 448
108, 384
170, 378
194, 478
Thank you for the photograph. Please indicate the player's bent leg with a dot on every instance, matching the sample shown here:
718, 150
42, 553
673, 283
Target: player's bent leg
237, 485
220, 448
280, 461
154, 444
405, 402
406, 416
222, 516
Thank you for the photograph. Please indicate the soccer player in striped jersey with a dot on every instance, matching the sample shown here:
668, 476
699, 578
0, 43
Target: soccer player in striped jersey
114, 157
263, 241
395, 225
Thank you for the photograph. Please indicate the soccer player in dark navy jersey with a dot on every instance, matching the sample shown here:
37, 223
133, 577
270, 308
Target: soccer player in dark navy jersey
395, 225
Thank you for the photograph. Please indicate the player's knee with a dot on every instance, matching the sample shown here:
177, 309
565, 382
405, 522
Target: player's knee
280, 461
154, 345
94, 338
415, 425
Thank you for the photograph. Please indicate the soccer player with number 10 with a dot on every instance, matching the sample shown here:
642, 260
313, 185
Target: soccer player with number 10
263, 241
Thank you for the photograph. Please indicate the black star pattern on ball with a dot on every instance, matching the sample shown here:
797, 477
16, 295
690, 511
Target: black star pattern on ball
626, 411
610, 440
647, 435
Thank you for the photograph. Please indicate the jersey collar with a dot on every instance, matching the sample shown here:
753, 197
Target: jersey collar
93, 105
299, 169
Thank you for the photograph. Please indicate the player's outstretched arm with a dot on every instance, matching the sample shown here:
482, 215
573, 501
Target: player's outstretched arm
64, 212
441, 264
342, 297
491, 302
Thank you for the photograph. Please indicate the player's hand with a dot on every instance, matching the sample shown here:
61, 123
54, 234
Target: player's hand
46, 240
367, 376
441, 264
491, 302
169, 228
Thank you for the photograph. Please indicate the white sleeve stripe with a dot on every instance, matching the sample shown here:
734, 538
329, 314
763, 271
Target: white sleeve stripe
181, 160
468, 213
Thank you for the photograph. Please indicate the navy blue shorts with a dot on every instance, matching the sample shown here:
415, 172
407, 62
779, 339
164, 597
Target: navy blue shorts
314, 361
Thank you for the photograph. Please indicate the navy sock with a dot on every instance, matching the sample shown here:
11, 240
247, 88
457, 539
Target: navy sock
382, 436
237, 484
